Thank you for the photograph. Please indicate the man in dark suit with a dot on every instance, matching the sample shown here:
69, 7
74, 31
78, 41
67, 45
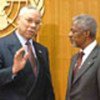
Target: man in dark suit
17, 78
84, 78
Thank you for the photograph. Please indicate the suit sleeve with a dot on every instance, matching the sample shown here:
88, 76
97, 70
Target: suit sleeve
98, 77
5, 68
5, 73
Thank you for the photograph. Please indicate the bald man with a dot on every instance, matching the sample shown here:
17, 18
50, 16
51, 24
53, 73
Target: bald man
17, 78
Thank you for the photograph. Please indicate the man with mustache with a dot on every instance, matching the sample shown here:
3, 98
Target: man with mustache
84, 74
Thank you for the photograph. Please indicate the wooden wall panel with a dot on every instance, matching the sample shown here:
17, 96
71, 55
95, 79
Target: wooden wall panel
54, 34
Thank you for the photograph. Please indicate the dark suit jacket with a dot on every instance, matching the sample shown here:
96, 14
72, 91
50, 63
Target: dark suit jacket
86, 84
23, 86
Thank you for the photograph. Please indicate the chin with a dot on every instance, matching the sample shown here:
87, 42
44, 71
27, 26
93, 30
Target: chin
28, 37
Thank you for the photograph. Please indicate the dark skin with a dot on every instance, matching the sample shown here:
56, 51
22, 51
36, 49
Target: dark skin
79, 38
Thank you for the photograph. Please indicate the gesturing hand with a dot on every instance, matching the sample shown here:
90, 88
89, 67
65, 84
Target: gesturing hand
19, 60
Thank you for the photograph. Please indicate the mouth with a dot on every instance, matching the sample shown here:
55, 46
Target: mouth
71, 40
31, 33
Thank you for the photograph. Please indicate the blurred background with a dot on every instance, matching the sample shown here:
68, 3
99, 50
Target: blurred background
53, 33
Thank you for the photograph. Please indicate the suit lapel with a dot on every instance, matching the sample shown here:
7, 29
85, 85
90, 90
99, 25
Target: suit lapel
71, 70
39, 57
38, 54
14, 44
86, 65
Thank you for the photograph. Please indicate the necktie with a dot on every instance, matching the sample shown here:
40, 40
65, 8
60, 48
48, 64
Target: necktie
78, 63
32, 58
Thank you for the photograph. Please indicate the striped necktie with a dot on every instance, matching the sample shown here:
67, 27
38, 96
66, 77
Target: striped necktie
78, 63
32, 58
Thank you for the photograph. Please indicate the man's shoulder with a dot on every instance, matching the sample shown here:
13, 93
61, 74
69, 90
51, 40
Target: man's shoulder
39, 45
7, 39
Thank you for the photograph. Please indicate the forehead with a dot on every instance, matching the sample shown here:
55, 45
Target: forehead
77, 25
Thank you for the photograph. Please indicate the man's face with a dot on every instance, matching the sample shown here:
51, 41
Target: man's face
28, 24
77, 36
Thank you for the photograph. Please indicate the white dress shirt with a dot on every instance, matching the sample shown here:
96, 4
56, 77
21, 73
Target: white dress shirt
23, 43
87, 51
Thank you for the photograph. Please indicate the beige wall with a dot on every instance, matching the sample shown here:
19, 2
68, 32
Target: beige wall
54, 35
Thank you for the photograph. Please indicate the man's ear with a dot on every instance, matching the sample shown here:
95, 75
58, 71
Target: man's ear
87, 33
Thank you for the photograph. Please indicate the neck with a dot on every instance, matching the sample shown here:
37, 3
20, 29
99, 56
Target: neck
87, 43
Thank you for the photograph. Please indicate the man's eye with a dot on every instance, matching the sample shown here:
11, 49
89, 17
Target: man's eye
29, 20
73, 31
37, 23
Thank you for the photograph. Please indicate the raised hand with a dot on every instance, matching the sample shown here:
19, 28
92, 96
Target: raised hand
19, 61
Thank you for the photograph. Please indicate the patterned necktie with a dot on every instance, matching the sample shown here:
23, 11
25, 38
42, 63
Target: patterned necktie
78, 63
32, 58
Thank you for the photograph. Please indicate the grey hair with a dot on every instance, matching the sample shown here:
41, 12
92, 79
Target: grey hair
86, 23
24, 9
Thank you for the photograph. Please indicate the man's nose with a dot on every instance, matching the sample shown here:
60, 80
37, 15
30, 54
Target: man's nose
33, 24
70, 34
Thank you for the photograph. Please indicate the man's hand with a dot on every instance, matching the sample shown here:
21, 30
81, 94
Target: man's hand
19, 61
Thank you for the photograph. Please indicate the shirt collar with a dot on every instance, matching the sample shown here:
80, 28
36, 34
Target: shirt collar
90, 47
22, 39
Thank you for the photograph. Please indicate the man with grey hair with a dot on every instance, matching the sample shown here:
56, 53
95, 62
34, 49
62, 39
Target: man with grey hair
84, 73
24, 63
